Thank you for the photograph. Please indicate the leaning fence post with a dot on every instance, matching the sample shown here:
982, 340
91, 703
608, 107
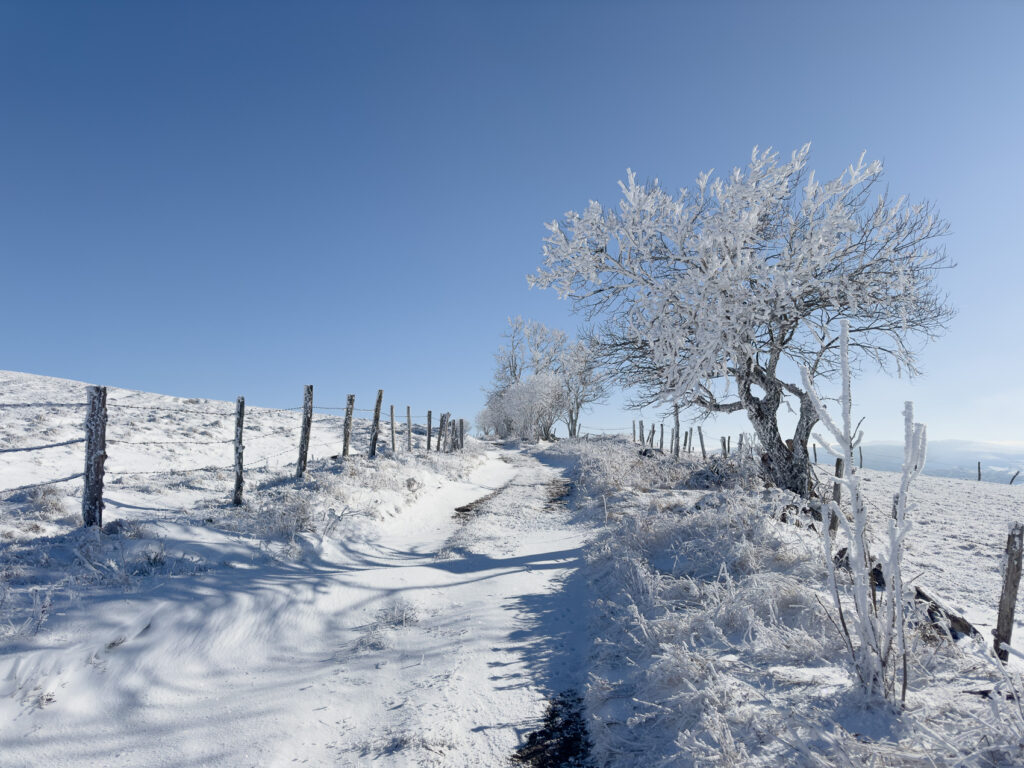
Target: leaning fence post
236, 499
1014, 476
392, 429
349, 407
428, 431
442, 431
815, 447
95, 456
703, 452
375, 429
307, 423
650, 437
408, 421
1008, 598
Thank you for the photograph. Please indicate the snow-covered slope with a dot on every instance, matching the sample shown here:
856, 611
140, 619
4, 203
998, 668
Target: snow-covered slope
348, 617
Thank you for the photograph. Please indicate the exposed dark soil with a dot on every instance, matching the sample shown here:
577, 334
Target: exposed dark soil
466, 511
562, 741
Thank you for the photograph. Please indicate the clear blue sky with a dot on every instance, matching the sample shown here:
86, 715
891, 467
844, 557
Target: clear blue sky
221, 198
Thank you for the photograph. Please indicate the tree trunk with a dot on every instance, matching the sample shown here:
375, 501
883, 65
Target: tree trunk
785, 462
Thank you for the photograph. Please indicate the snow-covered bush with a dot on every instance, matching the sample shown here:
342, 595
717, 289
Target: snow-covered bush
605, 465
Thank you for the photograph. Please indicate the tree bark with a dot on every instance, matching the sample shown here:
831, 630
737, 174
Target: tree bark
787, 465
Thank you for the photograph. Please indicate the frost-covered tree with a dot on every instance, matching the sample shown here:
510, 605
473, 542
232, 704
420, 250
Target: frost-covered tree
522, 400
718, 296
527, 409
583, 383
510, 359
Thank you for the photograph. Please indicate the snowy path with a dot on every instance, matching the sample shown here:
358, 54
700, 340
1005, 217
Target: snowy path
436, 644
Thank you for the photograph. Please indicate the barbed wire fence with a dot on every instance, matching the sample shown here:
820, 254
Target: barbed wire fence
449, 437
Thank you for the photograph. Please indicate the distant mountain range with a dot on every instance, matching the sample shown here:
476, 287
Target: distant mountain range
951, 458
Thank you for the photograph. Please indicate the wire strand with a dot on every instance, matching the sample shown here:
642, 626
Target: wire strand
42, 484
43, 405
42, 447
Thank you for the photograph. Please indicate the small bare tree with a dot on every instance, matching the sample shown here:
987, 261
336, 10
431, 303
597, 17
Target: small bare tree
875, 634
716, 298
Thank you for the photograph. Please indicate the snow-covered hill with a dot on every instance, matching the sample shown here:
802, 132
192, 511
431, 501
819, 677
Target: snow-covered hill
424, 609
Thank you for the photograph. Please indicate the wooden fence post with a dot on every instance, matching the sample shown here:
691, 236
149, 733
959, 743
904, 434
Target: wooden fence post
408, 421
836, 488
686, 442
392, 429
661, 437
634, 430
307, 423
703, 452
1014, 476
643, 435
1008, 599
815, 447
675, 413
95, 456
375, 429
442, 424
350, 406
860, 450
428, 431
728, 445
236, 499
462, 434
979, 470
689, 439
725, 448
650, 437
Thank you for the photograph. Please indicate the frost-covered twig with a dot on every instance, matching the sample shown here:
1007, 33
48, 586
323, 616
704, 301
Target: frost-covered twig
877, 639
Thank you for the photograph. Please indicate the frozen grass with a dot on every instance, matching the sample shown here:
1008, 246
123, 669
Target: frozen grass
714, 641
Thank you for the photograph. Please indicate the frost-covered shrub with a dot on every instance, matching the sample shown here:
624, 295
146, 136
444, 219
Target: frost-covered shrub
875, 634
607, 465
684, 590
283, 515
47, 503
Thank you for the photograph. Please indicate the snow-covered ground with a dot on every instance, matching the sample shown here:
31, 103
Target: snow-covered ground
350, 617
424, 609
